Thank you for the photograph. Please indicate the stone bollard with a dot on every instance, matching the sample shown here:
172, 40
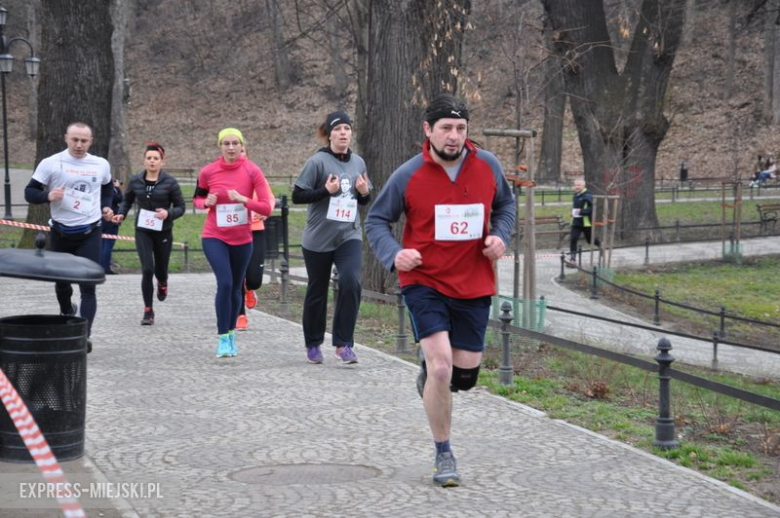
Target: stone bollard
664, 425
401, 339
563, 263
657, 308
594, 292
506, 370
284, 268
272, 272
715, 339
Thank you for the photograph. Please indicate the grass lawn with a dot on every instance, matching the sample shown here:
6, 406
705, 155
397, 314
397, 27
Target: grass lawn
748, 290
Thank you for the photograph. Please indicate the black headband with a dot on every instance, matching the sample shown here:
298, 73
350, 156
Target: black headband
449, 113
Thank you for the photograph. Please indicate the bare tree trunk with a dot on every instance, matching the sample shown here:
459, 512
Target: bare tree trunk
619, 116
117, 151
359, 15
732, 49
33, 8
549, 170
770, 35
77, 31
689, 29
774, 15
281, 57
340, 78
400, 77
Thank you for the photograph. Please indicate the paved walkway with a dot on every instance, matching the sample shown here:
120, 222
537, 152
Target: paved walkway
633, 340
266, 434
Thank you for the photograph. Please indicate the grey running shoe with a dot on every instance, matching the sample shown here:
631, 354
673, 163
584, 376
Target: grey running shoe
314, 354
445, 471
346, 354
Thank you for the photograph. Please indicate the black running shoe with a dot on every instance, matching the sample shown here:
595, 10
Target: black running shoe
148, 317
74, 311
162, 291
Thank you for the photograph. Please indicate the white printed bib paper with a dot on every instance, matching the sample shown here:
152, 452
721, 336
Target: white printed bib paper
231, 214
575, 213
77, 201
146, 219
342, 209
459, 222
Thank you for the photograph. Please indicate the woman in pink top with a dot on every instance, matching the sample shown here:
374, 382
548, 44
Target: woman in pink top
226, 187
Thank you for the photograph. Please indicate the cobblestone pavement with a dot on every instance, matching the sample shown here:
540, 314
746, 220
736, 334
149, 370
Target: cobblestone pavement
267, 434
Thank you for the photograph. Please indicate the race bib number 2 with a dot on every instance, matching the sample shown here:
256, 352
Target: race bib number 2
77, 201
231, 214
459, 222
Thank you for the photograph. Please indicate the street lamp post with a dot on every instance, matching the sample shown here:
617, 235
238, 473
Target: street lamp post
6, 66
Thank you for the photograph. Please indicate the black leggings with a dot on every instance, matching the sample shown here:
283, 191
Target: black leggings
81, 245
256, 268
347, 258
254, 272
154, 251
575, 236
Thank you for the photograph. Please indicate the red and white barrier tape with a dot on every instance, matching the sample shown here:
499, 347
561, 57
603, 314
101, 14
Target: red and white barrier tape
38, 447
47, 228
538, 256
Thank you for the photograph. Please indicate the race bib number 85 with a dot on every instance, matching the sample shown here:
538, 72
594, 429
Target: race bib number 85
459, 222
231, 214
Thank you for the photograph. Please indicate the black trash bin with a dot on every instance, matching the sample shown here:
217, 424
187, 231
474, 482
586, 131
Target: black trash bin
45, 356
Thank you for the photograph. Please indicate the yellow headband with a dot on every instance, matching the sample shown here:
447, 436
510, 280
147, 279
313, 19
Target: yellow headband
229, 132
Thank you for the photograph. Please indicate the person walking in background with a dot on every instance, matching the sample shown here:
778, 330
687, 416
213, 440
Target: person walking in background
582, 208
333, 183
254, 272
158, 201
77, 187
226, 187
459, 212
110, 228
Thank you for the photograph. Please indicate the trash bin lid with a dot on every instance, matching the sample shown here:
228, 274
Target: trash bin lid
45, 265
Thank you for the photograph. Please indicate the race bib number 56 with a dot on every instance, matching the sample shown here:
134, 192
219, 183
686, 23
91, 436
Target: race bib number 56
459, 222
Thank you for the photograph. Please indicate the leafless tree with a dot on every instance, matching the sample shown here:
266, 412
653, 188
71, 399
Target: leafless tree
619, 113
414, 50
76, 32
117, 149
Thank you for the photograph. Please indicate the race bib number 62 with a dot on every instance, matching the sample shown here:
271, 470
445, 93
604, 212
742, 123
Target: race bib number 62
459, 222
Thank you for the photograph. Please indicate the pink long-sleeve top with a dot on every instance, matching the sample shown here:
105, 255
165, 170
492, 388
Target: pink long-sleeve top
218, 178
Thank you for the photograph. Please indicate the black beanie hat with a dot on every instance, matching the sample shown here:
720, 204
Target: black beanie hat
336, 118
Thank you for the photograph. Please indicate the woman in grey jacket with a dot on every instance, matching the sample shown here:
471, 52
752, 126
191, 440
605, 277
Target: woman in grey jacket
159, 201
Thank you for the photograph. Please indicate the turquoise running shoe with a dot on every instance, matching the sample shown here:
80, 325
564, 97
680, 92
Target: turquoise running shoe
224, 349
233, 346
